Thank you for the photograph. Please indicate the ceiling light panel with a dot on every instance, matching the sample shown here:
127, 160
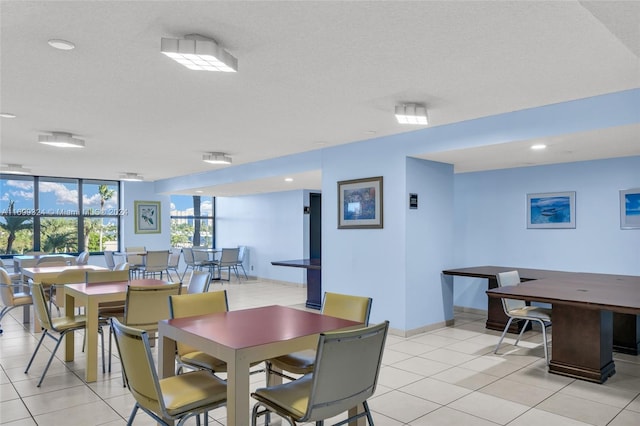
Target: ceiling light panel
411, 114
216, 158
199, 53
131, 177
15, 169
61, 140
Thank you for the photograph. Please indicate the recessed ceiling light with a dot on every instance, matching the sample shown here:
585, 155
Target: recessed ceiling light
320, 143
198, 192
131, 177
371, 132
15, 169
538, 147
61, 44
216, 158
61, 140
412, 114
7, 115
199, 53
288, 179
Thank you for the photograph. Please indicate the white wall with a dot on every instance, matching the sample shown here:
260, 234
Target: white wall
144, 191
490, 222
272, 226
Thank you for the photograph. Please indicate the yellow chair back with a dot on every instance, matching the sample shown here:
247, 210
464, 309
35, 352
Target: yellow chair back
137, 363
146, 305
354, 308
41, 307
188, 305
93, 277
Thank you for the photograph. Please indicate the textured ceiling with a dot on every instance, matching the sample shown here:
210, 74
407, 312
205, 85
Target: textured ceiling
311, 75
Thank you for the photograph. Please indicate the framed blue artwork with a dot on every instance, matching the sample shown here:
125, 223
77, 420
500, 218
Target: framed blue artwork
551, 210
630, 209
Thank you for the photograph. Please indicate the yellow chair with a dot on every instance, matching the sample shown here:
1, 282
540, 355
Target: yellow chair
146, 305
518, 310
60, 326
10, 298
172, 398
347, 366
187, 305
354, 308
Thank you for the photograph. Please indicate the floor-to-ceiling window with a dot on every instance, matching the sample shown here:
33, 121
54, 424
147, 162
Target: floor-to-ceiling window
58, 215
192, 221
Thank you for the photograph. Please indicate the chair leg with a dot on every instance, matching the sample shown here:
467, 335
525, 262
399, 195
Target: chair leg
544, 342
133, 414
44, 333
524, 327
246, 277
102, 346
53, 354
503, 334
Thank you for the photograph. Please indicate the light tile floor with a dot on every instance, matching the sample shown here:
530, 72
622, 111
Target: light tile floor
449, 376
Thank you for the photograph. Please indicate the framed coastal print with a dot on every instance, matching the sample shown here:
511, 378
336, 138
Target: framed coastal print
147, 217
360, 203
630, 209
551, 210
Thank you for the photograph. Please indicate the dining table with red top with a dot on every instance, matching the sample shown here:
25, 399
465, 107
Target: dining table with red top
242, 337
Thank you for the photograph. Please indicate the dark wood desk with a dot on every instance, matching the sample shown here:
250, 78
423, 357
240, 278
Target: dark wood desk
583, 308
240, 338
626, 327
314, 278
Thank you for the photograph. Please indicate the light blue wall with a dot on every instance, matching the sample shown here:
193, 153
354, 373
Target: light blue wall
377, 262
429, 242
367, 261
272, 226
490, 222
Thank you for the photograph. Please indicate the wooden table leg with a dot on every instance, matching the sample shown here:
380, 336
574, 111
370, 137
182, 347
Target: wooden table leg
69, 344
582, 343
238, 391
91, 367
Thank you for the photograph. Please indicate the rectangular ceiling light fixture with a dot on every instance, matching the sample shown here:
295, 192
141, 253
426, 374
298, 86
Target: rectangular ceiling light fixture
411, 114
216, 158
199, 53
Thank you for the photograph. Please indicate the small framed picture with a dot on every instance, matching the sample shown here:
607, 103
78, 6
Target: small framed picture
147, 217
551, 210
630, 209
360, 203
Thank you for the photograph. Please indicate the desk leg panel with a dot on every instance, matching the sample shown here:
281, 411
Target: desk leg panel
582, 343
314, 289
626, 333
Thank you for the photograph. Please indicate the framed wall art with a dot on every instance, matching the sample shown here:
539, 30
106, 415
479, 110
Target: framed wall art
551, 210
147, 217
360, 203
630, 209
